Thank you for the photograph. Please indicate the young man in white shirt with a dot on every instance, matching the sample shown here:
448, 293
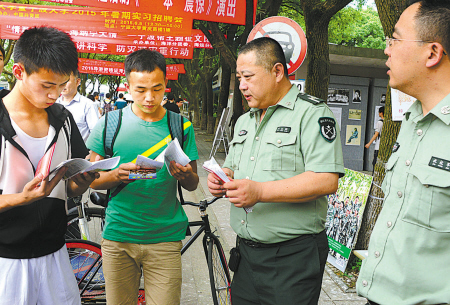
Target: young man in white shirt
84, 111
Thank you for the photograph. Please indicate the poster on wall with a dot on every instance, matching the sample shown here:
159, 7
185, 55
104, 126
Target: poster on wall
338, 96
344, 215
356, 96
400, 104
353, 135
354, 114
337, 112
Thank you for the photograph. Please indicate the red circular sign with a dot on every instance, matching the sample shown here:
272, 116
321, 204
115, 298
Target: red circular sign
289, 35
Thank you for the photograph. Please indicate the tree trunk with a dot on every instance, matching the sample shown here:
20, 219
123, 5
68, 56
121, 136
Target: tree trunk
224, 90
204, 117
389, 12
317, 15
210, 102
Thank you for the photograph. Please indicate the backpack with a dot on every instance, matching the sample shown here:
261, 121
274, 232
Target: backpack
108, 107
113, 121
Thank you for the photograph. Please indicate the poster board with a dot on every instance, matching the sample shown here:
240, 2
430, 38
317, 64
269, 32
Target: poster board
344, 215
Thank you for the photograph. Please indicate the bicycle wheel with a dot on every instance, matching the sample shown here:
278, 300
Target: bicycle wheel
219, 275
95, 219
86, 260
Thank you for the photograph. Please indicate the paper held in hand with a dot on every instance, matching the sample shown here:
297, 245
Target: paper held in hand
174, 152
148, 168
78, 165
213, 167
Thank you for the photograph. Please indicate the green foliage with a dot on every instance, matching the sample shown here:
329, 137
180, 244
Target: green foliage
354, 26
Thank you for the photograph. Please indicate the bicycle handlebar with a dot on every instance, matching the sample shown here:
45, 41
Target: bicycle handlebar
204, 202
100, 199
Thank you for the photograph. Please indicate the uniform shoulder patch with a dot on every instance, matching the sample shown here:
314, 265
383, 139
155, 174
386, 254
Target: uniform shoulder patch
311, 99
327, 127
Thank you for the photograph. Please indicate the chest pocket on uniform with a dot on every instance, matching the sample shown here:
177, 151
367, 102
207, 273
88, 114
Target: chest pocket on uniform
431, 208
238, 146
282, 152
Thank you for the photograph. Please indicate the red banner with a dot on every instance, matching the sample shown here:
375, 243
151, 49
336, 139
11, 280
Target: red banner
104, 67
95, 66
200, 41
172, 75
95, 19
225, 11
176, 68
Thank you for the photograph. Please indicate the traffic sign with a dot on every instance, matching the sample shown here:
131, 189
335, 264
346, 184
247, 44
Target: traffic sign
289, 34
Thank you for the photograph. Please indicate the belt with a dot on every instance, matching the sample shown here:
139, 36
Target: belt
254, 244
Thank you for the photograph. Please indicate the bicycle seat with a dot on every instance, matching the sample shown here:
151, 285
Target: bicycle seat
99, 199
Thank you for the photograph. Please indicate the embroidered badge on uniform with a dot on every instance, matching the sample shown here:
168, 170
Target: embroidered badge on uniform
439, 163
395, 147
242, 132
283, 129
328, 128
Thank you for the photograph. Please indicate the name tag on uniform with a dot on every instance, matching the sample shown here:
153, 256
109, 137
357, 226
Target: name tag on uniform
439, 163
284, 129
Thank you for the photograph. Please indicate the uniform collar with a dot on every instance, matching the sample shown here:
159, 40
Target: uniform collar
75, 99
441, 111
287, 101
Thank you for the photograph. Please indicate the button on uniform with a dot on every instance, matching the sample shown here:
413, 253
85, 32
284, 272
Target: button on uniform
389, 224
399, 194
408, 163
252, 158
279, 141
377, 254
419, 132
243, 221
365, 283
257, 138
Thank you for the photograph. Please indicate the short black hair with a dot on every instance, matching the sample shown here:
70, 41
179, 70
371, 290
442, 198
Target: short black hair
381, 110
179, 100
120, 95
95, 94
108, 95
48, 48
432, 21
91, 97
3, 51
144, 60
268, 53
170, 96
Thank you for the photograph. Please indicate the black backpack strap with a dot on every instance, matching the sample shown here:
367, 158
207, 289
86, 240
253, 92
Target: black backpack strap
175, 122
113, 120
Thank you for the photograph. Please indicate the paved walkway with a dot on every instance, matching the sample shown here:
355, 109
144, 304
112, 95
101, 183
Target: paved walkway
196, 289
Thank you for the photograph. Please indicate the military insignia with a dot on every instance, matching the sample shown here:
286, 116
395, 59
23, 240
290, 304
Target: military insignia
242, 132
439, 163
395, 147
328, 128
283, 129
445, 110
309, 98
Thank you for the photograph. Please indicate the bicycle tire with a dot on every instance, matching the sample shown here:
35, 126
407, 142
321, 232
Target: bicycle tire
95, 219
86, 259
219, 275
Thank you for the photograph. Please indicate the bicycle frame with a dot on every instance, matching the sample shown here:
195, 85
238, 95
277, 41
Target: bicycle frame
203, 224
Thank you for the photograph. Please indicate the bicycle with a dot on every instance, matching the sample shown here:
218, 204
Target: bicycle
86, 260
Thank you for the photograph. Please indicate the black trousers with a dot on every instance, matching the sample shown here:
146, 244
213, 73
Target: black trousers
287, 274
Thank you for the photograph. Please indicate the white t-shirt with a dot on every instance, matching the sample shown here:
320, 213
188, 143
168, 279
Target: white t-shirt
34, 147
379, 128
